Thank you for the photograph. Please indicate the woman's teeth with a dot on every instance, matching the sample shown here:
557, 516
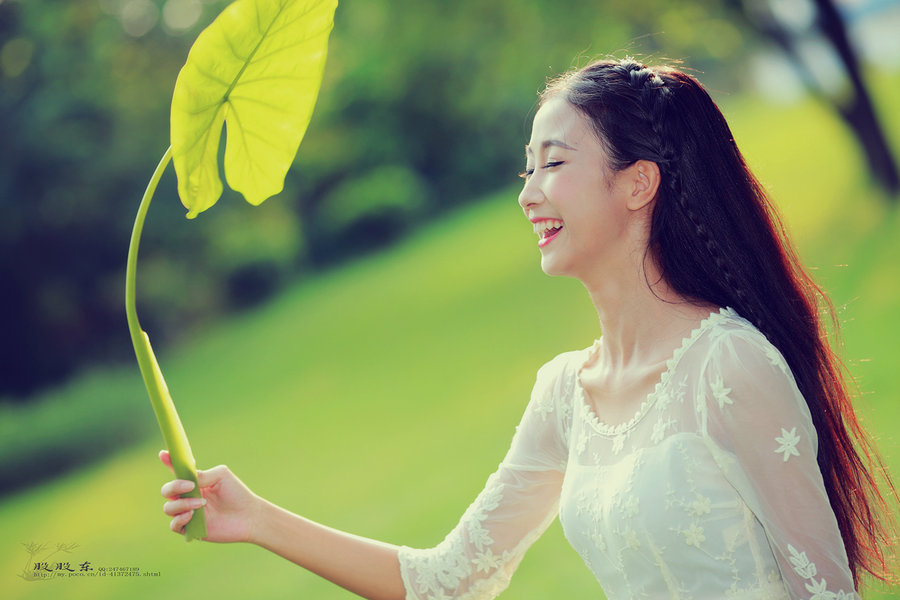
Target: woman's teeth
545, 227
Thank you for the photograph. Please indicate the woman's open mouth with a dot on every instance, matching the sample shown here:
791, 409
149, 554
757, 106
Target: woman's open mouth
547, 229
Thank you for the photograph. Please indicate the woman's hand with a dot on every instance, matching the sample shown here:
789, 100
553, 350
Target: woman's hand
231, 508
235, 514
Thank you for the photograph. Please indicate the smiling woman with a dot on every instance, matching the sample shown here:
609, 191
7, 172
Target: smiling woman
580, 208
703, 447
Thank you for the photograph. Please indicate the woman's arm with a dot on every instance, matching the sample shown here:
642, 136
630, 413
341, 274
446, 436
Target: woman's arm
474, 562
756, 416
235, 514
365, 567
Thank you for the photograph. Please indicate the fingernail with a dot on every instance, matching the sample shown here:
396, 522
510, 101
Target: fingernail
200, 502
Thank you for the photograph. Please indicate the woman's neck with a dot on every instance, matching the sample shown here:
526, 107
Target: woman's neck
641, 318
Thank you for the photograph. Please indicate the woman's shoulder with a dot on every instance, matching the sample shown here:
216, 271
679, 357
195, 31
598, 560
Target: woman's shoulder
555, 380
732, 353
565, 365
726, 335
728, 344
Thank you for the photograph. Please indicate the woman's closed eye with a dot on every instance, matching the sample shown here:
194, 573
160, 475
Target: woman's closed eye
528, 172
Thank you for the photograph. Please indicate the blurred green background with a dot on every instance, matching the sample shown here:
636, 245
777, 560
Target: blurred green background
360, 348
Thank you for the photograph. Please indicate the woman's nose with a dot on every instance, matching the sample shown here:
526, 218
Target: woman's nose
530, 195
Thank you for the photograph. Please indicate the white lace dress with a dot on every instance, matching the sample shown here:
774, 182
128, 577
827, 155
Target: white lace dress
711, 491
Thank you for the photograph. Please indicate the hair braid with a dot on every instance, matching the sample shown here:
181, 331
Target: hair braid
740, 300
656, 95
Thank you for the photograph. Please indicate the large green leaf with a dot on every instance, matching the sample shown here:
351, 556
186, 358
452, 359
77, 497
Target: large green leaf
257, 68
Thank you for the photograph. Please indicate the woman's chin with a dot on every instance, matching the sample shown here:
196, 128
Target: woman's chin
551, 267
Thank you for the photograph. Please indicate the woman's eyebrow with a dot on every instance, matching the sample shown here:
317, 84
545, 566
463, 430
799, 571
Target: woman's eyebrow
547, 143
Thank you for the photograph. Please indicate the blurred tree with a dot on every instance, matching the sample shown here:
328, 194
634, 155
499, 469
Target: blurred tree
82, 112
791, 26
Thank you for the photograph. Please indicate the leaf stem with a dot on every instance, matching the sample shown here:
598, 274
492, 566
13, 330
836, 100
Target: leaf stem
134, 326
170, 425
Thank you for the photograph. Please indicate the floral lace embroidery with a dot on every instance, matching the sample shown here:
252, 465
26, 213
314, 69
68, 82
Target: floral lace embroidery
544, 409
788, 441
720, 392
681, 390
775, 358
581, 444
701, 506
544, 406
807, 570
487, 561
694, 535
659, 429
663, 400
694, 504
446, 568
490, 500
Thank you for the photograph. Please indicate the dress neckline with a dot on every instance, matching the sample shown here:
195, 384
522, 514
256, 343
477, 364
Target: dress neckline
604, 428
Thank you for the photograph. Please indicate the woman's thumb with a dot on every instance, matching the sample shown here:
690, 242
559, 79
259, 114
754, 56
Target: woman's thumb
212, 476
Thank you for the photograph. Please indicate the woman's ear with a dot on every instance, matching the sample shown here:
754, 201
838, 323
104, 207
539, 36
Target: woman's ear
643, 179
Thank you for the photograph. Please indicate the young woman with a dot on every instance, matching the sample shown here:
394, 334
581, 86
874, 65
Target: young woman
703, 447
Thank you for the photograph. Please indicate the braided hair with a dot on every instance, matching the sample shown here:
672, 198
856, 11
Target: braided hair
717, 239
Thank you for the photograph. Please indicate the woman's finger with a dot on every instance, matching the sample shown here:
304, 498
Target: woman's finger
177, 524
175, 488
182, 505
166, 459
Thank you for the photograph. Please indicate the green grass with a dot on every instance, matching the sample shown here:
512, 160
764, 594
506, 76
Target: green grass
377, 398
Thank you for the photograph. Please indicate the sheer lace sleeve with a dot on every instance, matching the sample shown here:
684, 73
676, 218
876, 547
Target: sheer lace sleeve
519, 501
765, 442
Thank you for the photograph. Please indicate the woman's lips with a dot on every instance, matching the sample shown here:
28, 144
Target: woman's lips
546, 229
548, 235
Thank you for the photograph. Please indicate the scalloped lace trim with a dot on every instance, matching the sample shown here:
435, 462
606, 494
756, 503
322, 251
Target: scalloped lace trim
613, 430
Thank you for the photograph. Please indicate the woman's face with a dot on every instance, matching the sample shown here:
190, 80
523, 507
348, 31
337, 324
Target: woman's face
576, 204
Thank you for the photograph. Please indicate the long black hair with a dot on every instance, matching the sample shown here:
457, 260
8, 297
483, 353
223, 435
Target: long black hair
717, 238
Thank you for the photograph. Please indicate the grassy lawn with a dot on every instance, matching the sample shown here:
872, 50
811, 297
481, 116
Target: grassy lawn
378, 397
